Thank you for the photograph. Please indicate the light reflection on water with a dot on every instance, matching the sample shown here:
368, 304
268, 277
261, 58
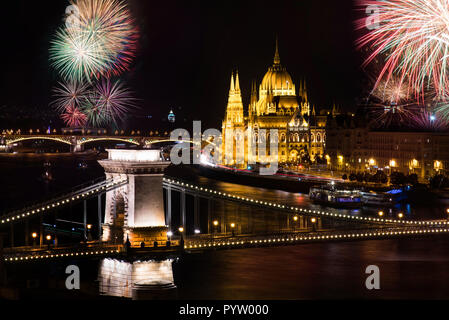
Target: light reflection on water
116, 277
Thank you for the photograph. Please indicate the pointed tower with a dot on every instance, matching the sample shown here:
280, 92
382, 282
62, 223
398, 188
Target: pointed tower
334, 110
277, 59
234, 109
305, 91
253, 92
231, 88
253, 100
305, 105
237, 84
232, 148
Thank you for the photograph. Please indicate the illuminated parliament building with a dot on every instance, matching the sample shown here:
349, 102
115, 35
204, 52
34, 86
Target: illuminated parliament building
275, 104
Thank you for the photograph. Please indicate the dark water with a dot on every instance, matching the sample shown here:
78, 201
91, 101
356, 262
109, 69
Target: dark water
410, 268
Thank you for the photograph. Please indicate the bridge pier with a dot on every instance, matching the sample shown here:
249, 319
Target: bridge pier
142, 217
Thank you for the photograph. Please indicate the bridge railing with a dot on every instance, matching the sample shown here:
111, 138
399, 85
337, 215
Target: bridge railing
78, 195
68, 191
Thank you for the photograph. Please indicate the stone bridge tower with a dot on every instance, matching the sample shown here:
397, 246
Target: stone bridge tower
135, 210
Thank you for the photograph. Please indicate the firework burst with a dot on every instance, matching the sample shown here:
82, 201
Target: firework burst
389, 104
69, 94
428, 120
114, 99
101, 42
414, 37
73, 117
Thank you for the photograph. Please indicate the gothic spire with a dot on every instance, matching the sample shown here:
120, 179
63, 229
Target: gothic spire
237, 84
232, 83
277, 59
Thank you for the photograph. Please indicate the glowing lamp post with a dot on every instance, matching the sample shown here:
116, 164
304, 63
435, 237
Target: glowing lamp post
313, 220
169, 235
89, 236
295, 220
380, 213
232, 228
437, 165
181, 231
34, 236
48, 237
215, 225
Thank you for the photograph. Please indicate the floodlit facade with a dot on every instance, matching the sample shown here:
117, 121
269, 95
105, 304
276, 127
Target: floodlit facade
356, 148
274, 105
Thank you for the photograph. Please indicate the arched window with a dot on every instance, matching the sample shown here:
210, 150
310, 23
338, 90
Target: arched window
318, 137
312, 137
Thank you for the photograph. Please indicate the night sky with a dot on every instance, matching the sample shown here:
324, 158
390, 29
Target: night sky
187, 50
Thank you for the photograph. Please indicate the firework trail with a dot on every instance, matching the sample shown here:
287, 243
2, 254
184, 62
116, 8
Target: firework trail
413, 35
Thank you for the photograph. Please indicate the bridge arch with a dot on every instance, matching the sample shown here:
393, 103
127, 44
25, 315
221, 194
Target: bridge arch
9, 142
87, 140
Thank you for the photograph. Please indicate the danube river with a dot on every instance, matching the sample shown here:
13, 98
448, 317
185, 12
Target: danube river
409, 268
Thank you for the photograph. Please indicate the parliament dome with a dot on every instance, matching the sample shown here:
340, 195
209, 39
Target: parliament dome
277, 81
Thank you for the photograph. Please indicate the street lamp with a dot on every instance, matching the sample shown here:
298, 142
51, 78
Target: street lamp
380, 213
313, 220
232, 228
181, 230
215, 224
34, 236
89, 235
169, 234
48, 237
400, 215
295, 219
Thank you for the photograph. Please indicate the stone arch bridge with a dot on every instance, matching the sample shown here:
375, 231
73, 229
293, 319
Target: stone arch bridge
77, 142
